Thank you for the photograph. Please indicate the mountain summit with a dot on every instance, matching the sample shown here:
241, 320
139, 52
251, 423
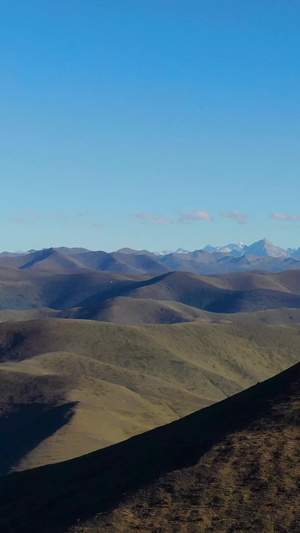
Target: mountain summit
265, 248
262, 248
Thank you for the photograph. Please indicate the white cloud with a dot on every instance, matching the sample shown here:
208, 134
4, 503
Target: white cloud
196, 214
82, 214
97, 225
152, 219
284, 216
241, 218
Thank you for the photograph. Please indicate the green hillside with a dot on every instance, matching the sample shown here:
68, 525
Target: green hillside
231, 467
122, 380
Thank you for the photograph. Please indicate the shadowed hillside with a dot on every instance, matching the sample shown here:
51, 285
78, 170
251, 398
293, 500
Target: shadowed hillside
137, 311
232, 293
160, 297
133, 311
231, 467
27, 289
127, 379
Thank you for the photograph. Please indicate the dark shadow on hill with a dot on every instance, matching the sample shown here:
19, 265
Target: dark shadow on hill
26, 427
52, 498
122, 288
208, 298
37, 257
249, 301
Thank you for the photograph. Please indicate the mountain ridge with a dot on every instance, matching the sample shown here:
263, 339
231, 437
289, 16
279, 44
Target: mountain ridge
261, 255
133, 484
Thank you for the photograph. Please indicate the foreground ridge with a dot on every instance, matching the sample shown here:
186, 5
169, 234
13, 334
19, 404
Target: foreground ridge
230, 467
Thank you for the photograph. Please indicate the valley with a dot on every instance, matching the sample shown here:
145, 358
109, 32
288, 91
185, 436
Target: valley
90, 359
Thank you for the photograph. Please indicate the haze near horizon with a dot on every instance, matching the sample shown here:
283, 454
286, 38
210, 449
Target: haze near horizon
174, 121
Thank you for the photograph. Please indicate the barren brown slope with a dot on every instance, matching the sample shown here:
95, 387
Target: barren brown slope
127, 379
231, 467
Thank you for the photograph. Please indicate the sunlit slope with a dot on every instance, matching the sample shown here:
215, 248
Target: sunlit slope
122, 380
240, 473
138, 311
231, 293
220, 294
133, 311
52, 417
231, 467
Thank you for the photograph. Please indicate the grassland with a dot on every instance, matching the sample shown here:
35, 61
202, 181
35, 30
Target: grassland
247, 292
122, 380
89, 359
231, 467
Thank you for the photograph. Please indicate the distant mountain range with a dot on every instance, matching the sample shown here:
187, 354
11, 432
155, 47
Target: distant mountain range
262, 248
261, 255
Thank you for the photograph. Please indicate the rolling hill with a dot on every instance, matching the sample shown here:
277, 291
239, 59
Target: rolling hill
231, 467
109, 381
228, 293
28, 289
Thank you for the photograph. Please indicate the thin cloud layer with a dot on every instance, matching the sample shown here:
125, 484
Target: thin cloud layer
82, 214
63, 218
18, 220
241, 218
196, 214
284, 216
32, 215
152, 219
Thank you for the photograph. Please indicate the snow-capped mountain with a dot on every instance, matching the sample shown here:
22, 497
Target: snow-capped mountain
262, 248
167, 252
182, 251
265, 248
232, 248
163, 252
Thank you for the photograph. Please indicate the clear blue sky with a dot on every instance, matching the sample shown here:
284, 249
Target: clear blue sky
149, 123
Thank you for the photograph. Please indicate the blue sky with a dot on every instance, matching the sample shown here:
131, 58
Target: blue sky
149, 123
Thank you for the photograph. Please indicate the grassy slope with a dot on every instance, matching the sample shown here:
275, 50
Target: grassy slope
135, 377
247, 480
231, 467
26, 289
133, 311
